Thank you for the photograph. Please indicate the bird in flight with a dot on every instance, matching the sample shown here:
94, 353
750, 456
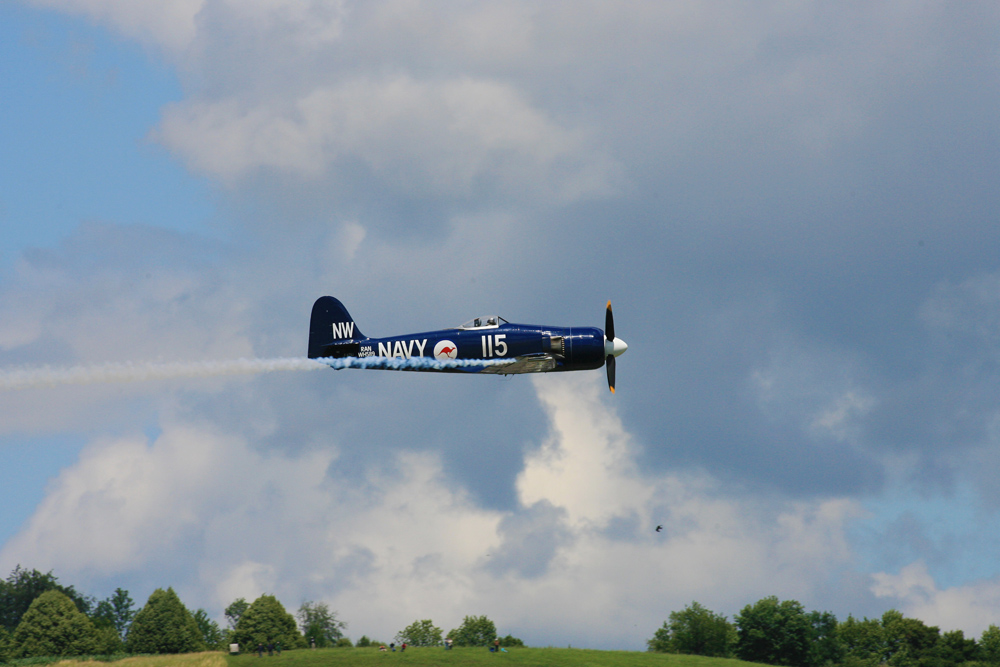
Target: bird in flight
659, 528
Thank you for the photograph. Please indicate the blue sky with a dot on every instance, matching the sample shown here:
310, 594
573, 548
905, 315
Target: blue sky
791, 208
78, 107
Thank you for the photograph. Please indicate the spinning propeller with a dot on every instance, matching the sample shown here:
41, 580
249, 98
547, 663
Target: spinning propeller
612, 346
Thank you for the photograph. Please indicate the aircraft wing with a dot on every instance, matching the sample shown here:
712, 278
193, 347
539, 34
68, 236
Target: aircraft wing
532, 363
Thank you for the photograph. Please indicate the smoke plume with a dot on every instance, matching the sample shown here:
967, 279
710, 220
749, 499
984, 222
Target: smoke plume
46, 376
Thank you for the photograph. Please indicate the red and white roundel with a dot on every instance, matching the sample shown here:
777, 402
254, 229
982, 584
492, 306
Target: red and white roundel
445, 350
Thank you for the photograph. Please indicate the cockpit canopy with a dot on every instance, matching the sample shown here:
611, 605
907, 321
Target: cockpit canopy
484, 322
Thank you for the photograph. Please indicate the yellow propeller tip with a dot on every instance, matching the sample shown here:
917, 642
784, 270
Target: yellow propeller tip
612, 389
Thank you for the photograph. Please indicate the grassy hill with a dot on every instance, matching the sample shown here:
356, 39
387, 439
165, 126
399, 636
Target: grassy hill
477, 657
423, 657
187, 660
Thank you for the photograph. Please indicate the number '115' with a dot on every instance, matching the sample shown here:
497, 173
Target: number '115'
494, 346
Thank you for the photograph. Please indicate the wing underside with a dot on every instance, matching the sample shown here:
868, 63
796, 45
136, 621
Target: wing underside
535, 363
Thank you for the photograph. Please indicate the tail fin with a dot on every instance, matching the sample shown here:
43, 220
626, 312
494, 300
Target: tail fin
331, 330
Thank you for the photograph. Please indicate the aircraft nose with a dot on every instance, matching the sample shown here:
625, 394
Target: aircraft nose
615, 347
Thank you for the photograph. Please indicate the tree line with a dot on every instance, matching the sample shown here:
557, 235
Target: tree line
39, 616
777, 632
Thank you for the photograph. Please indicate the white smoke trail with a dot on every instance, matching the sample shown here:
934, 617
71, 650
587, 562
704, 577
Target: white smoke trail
28, 378
414, 363
46, 376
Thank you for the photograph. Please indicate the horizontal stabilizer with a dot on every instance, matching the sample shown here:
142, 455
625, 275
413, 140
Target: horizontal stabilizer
340, 350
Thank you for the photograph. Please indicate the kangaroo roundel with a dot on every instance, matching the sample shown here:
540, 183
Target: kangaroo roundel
445, 350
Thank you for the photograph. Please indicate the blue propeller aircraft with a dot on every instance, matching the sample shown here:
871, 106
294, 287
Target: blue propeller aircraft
482, 345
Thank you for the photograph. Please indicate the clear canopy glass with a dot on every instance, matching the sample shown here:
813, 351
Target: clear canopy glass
484, 322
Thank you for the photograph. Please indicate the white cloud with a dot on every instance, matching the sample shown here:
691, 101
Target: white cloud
396, 541
119, 294
713, 548
315, 23
970, 308
170, 25
174, 26
821, 390
453, 138
498, 106
346, 240
970, 607
586, 467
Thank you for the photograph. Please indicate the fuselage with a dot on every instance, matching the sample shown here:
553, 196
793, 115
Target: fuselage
488, 344
573, 348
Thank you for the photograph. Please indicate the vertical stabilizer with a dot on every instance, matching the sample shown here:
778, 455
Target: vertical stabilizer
330, 325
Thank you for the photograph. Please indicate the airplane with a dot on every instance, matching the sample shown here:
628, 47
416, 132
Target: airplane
481, 345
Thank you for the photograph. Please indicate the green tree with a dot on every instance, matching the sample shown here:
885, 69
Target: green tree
4, 645
21, 588
695, 631
164, 625
953, 649
420, 633
118, 610
863, 642
108, 641
53, 626
908, 641
773, 632
474, 631
825, 647
235, 611
364, 642
318, 623
989, 645
661, 640
266, 621
510, 641
211, 634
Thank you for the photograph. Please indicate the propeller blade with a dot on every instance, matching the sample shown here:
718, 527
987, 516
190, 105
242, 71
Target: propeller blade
609, 323
610, 363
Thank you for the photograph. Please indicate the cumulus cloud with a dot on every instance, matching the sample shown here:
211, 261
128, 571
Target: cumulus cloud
454, 138
169, 25
130, 503
969, 607
218, 520
144, 280
806, 274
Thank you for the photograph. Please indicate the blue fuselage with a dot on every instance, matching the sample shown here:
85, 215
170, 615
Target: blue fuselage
574, 348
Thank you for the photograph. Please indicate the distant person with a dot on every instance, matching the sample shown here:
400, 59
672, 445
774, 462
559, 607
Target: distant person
447, 643
402, 647
392, 646
382, 648
496, 644
260, 650
312, 643
270, 648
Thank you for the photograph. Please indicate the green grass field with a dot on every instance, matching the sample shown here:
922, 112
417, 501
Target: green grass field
422, 657
186, 660
476, 657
